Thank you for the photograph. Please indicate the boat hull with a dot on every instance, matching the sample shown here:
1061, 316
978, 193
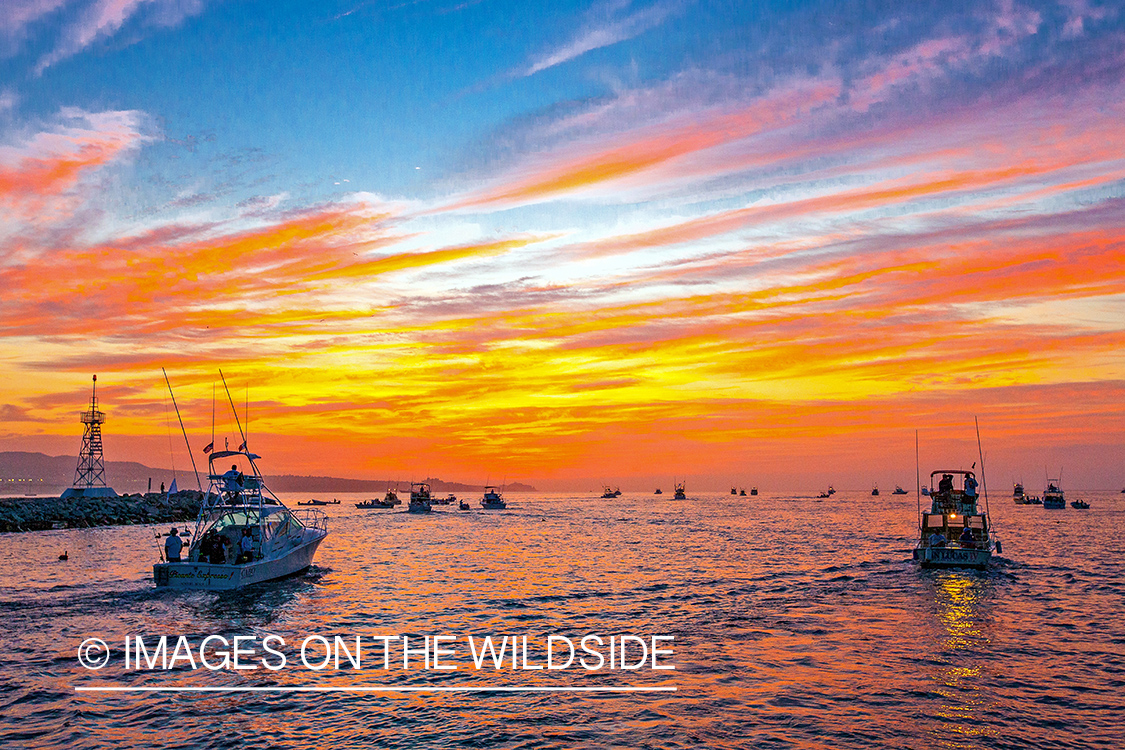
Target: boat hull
952, 557
208, 577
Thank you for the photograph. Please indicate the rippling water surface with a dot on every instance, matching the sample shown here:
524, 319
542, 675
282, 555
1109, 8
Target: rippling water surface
797, 623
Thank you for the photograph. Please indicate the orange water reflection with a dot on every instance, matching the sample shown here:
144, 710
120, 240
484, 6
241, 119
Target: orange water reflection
961, 648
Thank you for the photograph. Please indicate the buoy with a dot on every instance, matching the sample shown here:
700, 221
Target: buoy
65, 555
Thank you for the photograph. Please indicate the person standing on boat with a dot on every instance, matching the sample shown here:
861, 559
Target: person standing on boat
971, 487
246, 547
173, 545
946, 483
218, 555
232, 482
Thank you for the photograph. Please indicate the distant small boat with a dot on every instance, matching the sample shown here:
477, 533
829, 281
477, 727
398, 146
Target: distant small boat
828, 493
899, 490
492, 499
1080, 504
419, 498
875, 491
742, 492
661, 492
925, 491
753, 490
734, 490
1019, 497
463, 505
680, 493
611, 493
319, 502
447, 500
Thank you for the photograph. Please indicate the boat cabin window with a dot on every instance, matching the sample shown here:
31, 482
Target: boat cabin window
976, 522
280, 524
956, 524
935, 521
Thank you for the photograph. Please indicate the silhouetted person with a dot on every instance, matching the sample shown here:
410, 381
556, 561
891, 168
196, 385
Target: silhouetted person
173, 545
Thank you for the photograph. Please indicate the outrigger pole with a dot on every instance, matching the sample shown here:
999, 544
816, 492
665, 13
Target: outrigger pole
918, 480
983, 478
233, 409
193, 468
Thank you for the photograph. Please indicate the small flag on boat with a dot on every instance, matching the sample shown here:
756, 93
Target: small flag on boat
172, 490
207, 448
242, 447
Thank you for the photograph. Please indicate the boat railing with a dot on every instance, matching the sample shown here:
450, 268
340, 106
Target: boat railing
312, 518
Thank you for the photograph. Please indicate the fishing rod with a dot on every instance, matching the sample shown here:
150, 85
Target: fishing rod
182, 429
235, 410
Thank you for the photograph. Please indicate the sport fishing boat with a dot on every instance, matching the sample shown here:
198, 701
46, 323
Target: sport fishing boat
954, 533
875, 490
1080, 504
462, 505
389, 500
492, 499
419, 498
238, 506
753, 490
742, 492
899, 491
734, 491
681, 494
658, 491
1053, 498
609, 494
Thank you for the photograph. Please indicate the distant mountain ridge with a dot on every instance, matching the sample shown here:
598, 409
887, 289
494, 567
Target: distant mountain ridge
23, 472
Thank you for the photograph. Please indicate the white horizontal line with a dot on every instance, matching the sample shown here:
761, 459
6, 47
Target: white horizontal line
374, 689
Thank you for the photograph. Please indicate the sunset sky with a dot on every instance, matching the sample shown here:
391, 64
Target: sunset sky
570, 243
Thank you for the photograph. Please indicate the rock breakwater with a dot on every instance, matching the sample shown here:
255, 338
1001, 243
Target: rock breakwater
39, 513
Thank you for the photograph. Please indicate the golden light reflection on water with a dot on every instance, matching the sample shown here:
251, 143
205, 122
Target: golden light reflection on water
960, 647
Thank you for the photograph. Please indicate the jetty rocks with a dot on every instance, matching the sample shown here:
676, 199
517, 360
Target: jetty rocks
39, 513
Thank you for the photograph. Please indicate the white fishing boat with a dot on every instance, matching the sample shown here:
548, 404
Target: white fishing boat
419, 498
953, 532
1053, 498
389, 500
681, 493
492, 499
899, 491
1019, 497
237, 506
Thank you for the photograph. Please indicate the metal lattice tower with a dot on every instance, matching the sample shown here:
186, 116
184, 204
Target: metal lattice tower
91, 467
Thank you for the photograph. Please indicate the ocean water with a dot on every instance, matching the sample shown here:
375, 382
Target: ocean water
796, 623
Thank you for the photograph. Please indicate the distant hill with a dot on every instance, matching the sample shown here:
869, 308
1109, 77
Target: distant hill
36, 473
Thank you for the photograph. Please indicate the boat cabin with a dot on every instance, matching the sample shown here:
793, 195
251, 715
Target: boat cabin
950, 527
273, 528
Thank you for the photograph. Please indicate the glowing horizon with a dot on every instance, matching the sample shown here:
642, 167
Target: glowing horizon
602, 256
